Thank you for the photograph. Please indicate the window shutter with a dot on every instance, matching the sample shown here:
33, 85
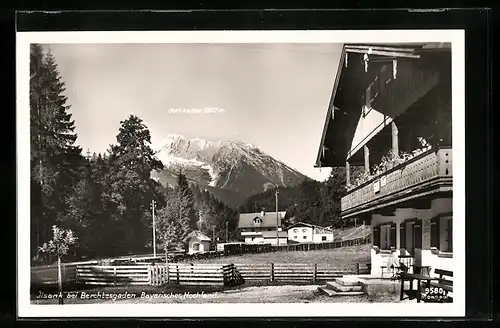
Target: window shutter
393, 235
435, 232
402, 235
418, 234
376, 236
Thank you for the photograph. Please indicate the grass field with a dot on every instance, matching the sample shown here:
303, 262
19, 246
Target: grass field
341, 256
247, 293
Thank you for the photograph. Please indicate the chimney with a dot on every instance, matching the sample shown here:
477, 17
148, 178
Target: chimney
262, 213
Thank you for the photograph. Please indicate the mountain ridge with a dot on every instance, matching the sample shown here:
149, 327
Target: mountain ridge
229, 167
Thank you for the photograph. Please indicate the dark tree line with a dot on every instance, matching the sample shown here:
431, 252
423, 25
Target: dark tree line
105, 198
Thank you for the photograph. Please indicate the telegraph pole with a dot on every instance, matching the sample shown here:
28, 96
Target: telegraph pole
227, 235
277, 219
154, 227
213, 237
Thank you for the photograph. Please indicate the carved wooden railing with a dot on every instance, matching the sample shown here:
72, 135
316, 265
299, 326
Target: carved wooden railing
433, 164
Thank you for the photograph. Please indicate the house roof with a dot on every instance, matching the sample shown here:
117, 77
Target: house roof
268, 219
197, 234
342, 114
272, 234
303, 224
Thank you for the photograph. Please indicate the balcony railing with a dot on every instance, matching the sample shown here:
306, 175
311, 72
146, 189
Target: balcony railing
425, 170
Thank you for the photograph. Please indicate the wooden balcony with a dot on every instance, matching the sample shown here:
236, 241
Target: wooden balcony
420, 176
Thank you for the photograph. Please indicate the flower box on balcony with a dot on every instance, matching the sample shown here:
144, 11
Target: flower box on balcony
430, 168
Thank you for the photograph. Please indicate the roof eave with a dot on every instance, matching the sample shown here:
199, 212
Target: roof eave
330, 112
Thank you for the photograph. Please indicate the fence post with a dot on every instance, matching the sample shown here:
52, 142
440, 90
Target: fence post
272, 272
150, 275
315, 270
357, 268
168, 272
63, 278
178, 278
114, 283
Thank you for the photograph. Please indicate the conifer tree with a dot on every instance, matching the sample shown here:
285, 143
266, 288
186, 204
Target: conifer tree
56, 162
187, 203
129, 188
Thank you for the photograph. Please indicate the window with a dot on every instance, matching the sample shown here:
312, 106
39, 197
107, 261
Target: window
304, 230
295, 237
257, 220
442, 233
384, 236
446, 234
410, 234
304, 237
323, 238
435, 233
295, 230
269, 229
196, 247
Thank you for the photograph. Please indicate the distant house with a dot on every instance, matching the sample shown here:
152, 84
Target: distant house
307, 233
197, 242
251, 226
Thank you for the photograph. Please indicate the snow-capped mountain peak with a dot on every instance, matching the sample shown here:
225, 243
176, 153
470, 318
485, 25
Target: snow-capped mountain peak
231, 165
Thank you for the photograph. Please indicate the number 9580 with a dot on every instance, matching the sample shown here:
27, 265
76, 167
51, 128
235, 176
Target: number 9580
434, 291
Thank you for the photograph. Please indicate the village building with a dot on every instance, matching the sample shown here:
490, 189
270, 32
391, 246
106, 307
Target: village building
301, 232
390, 118
252, 226
197, 242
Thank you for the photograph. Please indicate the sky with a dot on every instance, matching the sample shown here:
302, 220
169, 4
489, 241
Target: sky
274, 96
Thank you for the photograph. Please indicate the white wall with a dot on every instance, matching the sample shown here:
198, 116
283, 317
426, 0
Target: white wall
302, 232
422, 256
318, 237
204, 246
436, 262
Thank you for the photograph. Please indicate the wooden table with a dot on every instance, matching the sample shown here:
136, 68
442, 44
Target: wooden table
418, 277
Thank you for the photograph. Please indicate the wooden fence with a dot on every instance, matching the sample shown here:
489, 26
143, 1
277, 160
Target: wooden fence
187, 274
48, 275
242, 248
113, 275
295, 271
318, 246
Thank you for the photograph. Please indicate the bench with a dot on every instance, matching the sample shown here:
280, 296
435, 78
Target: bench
446, 284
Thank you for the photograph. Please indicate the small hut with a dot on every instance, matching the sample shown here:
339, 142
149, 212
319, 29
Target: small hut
197, 242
